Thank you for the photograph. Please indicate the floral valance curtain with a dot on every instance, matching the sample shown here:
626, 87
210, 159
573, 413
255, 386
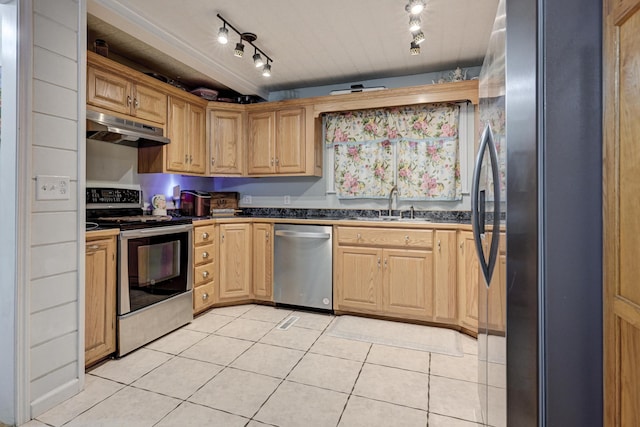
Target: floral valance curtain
415, 147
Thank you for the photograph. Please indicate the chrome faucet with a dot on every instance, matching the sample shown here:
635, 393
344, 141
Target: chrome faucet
393, 189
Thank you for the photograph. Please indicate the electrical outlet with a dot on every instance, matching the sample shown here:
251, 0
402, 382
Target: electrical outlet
246, 199
50, 187
287, 200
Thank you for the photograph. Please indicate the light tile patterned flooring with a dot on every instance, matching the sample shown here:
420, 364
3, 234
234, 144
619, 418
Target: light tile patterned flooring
232, 367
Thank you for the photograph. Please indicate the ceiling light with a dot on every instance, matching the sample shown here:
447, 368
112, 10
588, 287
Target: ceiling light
245, 38
257, 60
239, 50
414, 23
223, 34
418, 37
266, 70
414, 49
415, 7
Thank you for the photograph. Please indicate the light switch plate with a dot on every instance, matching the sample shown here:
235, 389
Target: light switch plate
50, 187
287, 200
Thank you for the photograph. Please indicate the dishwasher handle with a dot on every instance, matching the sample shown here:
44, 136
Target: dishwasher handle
303, 234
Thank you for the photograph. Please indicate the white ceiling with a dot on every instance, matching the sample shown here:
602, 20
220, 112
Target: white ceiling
312, 43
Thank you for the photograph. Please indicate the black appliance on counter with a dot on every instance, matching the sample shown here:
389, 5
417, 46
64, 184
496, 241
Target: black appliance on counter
154, 283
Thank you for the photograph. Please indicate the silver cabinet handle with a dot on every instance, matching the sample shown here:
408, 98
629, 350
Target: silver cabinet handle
378, 263
186, 158
222, 238
205, 255
302, 234
205, 274
272, 161
205, 235
462, 246
358, 236
267, 236
277, 161
94, 247
439, 246
205, 296
190, 158
386, 263
136, 103
128, 100
213, 161
406, 238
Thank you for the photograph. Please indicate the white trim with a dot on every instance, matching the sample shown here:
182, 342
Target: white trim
23, 207
55, 396
81, 215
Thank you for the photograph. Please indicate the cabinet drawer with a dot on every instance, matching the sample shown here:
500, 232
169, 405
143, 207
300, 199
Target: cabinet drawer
393, 237
203, 296
203, 274
203, 255
203, 234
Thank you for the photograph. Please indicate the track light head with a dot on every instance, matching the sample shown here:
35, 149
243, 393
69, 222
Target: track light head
257, 60
418, 37
414, 23
415, 7
266, 70
414, 49
239, 50
223, 34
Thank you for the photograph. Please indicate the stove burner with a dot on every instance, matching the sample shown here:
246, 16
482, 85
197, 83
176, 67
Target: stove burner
136, 218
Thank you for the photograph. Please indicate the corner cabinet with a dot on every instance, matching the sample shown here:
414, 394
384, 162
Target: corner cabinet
204, 267
100, 298
235, 261
226, 141
263, 262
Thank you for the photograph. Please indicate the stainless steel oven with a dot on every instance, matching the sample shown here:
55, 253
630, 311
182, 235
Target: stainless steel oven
154, 286
154, 283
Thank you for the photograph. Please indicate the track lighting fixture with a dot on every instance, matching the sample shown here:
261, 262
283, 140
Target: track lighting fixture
415, 7
414, 23
414, 49
223, 34
258, 61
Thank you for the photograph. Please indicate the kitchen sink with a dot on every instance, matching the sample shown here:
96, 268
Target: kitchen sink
386, 218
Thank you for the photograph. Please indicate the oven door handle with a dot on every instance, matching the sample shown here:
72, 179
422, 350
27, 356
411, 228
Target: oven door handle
156, 231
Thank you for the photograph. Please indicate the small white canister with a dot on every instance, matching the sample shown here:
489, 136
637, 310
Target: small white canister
159, 203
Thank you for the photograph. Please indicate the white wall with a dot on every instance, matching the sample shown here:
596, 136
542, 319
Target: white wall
56, 285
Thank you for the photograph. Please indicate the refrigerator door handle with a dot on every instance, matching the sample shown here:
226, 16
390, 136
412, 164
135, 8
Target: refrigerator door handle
478, 205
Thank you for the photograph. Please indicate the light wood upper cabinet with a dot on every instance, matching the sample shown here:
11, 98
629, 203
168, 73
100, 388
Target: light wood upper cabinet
445, 276
263, 261
226, 142
100, 299
186, 130
235, 261
115, 92
276, 142
468, 280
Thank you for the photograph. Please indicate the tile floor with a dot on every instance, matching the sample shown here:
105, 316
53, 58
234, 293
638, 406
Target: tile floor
232, 367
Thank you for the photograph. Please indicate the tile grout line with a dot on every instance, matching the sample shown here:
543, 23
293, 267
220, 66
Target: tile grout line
429, 390
344, 408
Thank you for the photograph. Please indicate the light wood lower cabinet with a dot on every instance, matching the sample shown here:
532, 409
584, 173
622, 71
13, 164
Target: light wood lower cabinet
204, 270
445, 276
100, 299
263, 262
235, 261
384, 271
468, 280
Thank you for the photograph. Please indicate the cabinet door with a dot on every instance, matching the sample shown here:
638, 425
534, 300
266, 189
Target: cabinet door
444, 275
100, 299
107, 90
261, 146
408, 283
197, 140
263, 261
290, 141
235, 261
149, 104
358, 280
177, 151
468, 280
226, 142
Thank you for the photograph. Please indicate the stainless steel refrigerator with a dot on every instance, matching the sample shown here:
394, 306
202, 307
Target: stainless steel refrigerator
539, 176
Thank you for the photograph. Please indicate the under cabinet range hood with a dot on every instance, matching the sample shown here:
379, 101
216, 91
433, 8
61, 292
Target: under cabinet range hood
103, 127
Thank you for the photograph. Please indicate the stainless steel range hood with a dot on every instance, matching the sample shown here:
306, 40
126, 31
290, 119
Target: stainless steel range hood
102, 127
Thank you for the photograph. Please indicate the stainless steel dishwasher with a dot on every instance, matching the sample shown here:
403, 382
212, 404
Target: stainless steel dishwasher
303, 266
